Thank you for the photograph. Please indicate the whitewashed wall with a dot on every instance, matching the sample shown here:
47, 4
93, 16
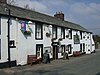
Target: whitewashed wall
4, 41
26, 45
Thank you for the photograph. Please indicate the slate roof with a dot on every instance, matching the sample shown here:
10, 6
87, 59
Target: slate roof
36, 16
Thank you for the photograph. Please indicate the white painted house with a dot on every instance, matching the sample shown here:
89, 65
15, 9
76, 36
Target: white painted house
31, 33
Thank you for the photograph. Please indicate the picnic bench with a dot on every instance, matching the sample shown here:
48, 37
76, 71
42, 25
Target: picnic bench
76, 53
32, 59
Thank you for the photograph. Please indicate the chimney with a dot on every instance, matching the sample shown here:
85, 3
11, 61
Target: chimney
3, 1
59, 15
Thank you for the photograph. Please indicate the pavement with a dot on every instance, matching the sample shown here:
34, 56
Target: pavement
83, 65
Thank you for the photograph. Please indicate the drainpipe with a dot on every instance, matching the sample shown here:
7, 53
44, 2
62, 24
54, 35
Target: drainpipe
9, 60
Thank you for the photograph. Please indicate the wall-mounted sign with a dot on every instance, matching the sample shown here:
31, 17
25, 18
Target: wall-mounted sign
12, 44
76, 39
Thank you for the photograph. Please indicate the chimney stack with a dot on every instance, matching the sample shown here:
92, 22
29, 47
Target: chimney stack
3, 1
59, 15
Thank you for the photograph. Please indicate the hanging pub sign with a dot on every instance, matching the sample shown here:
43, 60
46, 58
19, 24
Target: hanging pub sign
76, 39
23, 25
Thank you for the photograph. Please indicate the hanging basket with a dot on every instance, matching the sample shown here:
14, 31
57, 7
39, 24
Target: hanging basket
67, 36
27, 32
48, 34
83, 36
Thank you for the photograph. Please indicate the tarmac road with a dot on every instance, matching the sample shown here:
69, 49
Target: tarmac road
83, 65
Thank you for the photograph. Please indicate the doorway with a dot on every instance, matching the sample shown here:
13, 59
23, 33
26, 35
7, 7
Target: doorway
55, 52
81, 48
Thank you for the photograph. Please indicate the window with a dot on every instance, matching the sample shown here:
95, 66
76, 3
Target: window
81, 34
0, 48
63, 32
62, 49
38, 31
76, 39
70, 34
69, 49
54, 32
0, 24
39, 50
12, 44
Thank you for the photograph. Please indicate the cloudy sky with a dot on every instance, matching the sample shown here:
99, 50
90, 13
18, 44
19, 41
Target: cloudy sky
83, 12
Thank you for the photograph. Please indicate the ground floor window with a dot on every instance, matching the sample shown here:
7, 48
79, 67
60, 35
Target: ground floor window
62, 49
69, 49
39, 50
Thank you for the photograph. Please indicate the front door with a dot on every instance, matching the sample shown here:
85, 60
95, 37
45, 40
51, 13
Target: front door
39, 50
81, 48
55, 52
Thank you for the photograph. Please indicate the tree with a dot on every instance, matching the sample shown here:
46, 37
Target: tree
26, 6
11, 2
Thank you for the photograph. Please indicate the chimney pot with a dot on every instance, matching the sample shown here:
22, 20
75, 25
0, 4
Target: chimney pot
59, 15
3, 1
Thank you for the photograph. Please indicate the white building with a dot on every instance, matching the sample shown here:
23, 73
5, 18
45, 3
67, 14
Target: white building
31, 33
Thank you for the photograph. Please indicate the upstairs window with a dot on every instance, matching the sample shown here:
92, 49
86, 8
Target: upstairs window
76, 39
81, 34
70, 34
38, 31
54, 32
63, 32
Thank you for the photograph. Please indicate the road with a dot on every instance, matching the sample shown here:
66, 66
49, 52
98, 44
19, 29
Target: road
83, 65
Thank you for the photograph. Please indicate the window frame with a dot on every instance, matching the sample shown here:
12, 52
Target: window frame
76, 39
69, 49
81, 34
38, 46
62, 51
70, 34
63, 32
54, 30
41, 31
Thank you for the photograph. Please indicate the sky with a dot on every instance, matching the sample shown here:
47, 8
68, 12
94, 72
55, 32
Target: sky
83, 12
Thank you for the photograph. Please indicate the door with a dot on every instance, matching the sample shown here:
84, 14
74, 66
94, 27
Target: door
55, 52
39, 50
81, 48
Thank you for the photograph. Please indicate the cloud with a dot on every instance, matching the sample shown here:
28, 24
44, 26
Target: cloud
56, 2
36, 5
85, 13
85, 9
